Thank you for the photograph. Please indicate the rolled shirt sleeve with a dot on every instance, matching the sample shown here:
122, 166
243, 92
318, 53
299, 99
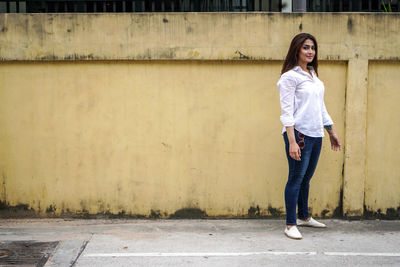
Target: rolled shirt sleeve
287, 88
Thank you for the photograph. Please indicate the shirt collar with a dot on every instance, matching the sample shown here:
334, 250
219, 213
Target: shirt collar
296, 68
300, 70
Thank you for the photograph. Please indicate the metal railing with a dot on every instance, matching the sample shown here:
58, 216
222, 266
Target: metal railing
87, 6
350, 5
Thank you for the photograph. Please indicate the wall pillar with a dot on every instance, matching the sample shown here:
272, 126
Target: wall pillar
355, 139
286, 6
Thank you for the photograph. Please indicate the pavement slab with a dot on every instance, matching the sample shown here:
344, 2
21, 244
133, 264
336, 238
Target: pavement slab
237, 242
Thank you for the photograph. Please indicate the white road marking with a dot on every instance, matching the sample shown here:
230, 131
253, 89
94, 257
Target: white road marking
234, 254
198, 254
372, 254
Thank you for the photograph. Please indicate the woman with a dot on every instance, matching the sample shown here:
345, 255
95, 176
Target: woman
304, 117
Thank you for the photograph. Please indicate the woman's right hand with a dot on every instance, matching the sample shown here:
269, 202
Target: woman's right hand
295, 151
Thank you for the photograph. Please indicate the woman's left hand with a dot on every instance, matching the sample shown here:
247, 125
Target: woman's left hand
335, 142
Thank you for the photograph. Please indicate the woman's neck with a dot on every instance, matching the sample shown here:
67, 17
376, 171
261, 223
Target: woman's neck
303, 66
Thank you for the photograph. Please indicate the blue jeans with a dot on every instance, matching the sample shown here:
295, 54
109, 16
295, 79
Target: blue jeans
300, 173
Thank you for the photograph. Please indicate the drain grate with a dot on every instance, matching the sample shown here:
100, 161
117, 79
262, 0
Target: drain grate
25, 253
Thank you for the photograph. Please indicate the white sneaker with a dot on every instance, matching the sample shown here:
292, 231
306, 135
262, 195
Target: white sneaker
310, 223
293, 232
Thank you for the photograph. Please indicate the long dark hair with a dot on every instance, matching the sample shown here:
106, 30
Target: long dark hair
293, 53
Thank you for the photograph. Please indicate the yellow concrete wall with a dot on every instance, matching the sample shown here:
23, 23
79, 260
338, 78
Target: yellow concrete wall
383, 153
136, 137
134, 113
197, 36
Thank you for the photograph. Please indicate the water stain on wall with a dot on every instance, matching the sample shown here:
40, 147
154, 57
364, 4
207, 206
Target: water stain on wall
189, 213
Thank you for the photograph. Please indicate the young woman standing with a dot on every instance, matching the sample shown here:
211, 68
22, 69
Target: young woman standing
304, 117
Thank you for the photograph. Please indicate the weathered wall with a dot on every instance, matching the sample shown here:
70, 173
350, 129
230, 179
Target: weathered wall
383, 153
149, 114
204, 36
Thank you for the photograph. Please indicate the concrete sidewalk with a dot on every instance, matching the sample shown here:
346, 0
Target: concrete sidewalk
208, 242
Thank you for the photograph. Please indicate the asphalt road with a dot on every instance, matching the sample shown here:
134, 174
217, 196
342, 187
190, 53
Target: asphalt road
209, 242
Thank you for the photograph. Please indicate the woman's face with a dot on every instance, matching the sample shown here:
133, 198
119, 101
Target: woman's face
307, 52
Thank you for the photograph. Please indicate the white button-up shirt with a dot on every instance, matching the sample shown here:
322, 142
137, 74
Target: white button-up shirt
302, 102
